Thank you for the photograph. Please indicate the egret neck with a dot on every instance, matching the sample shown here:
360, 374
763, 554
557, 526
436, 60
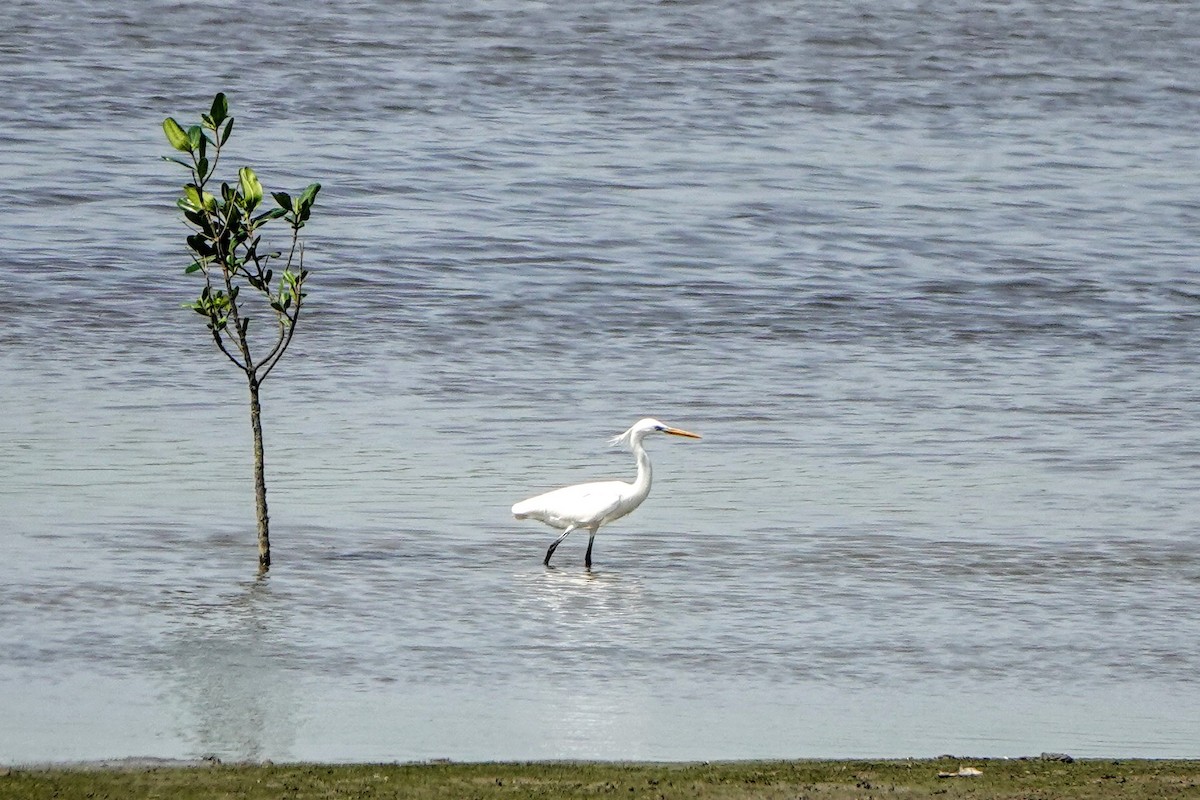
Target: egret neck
641, 486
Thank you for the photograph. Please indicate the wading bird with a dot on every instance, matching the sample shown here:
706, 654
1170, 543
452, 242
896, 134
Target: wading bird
590, 505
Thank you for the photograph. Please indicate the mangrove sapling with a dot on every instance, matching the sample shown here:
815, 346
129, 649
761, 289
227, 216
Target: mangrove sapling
225, 250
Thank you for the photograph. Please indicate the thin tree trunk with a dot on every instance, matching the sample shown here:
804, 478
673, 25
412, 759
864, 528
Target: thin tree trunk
260, 481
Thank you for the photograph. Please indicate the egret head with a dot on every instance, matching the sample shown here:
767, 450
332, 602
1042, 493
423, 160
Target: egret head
645, 427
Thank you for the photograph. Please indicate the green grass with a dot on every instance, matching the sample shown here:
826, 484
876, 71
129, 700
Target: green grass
1017, 778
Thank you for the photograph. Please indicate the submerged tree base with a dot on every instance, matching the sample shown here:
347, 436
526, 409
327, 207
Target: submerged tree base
996, 778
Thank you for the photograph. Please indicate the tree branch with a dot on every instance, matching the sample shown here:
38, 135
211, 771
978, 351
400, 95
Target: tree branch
287, 322
221, 344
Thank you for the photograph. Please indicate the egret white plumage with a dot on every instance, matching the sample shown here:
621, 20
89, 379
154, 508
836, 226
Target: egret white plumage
590, 505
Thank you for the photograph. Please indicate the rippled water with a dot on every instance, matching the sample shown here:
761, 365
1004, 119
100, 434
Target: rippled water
923, 276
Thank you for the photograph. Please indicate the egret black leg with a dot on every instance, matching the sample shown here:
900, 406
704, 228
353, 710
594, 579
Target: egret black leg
587, 559
555, 545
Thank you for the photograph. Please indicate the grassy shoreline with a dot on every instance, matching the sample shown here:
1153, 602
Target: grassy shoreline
909, 778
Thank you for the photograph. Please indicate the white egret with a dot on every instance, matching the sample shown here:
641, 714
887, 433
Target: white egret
590, 505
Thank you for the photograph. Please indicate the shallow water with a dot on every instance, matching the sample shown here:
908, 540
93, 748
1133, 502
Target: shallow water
923, 279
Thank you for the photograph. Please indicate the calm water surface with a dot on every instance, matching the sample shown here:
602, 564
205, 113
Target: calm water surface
923, 275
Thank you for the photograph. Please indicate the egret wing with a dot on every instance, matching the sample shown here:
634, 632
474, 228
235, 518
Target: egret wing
582, 505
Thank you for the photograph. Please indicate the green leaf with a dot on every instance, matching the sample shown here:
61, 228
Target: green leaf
178, 161
284, 199
308, 196
195, 266
195, 136
176, 136
234, 221
192, 194
220, 109
302, 207
252, 190
228, 130
200, 246
197, 218
274, 213
202, 168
